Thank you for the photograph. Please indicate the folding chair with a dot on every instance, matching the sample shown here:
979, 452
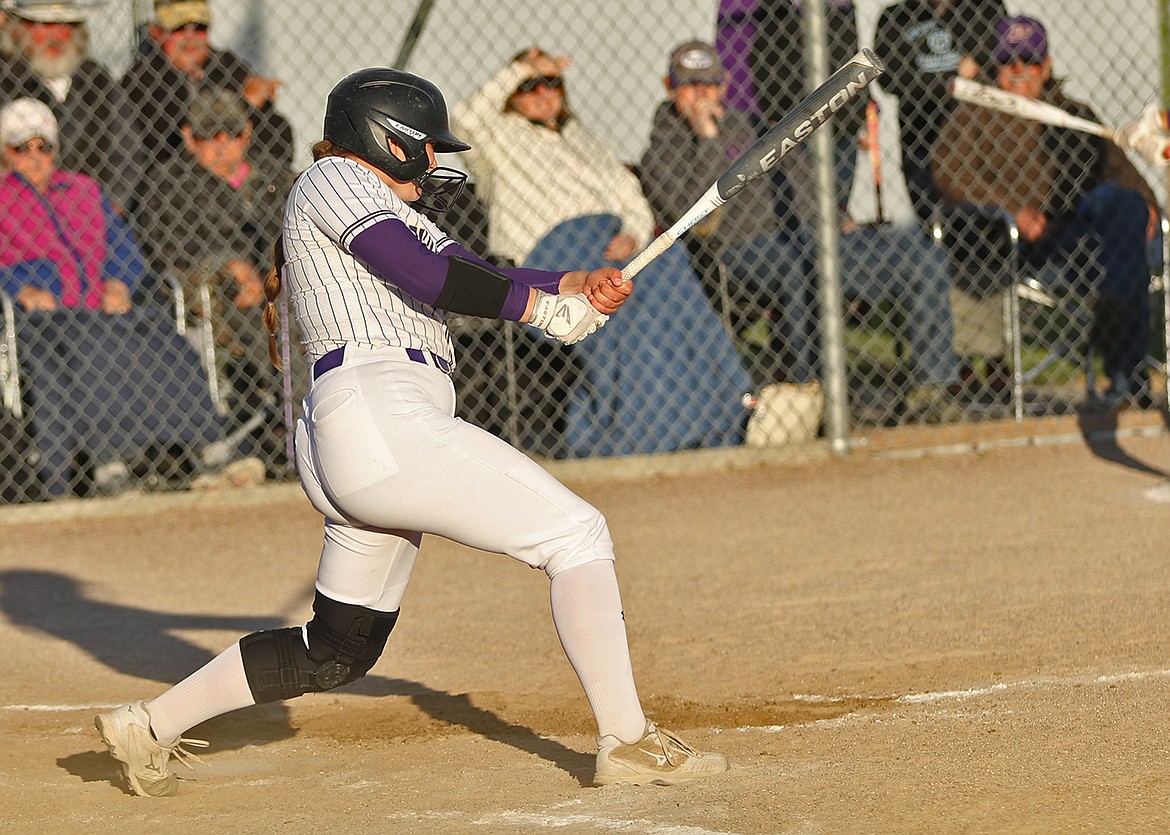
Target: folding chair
960, 227
10, 393
227, 400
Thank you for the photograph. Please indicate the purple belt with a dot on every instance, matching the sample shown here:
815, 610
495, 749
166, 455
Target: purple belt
335, 357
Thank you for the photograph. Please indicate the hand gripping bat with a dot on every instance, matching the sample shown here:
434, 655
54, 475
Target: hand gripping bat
797, 125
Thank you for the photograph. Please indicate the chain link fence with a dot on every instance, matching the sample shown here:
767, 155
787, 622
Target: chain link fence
980, 267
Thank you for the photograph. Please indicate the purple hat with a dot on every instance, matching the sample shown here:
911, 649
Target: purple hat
1021, 38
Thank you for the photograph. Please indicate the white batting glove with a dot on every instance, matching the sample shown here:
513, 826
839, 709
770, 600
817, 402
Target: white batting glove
1148, 135
568, 318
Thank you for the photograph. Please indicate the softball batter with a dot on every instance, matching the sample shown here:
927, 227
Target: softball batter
382, 456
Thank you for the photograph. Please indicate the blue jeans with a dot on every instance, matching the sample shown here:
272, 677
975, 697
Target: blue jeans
1103, 253
877, 263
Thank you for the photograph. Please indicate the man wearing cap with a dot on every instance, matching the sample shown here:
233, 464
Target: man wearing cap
179, 60
763, 236
212, 218
694, 137
50, 63
1084, 213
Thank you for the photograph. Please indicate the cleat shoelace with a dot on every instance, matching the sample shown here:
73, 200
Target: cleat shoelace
675, 747
186, 757
181, 754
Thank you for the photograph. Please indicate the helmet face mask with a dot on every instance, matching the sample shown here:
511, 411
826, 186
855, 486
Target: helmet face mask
441, 187
370, 107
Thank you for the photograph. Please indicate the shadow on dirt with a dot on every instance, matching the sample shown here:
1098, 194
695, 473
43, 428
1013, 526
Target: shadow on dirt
140, 642
1098, 427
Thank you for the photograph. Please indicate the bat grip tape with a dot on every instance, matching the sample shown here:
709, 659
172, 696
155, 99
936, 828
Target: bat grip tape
658, 246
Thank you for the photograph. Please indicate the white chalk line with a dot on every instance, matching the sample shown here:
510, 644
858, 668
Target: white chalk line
58, 708
992, 689
905, 698
529, 821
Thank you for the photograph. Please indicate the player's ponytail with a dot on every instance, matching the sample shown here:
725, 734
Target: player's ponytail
272, 285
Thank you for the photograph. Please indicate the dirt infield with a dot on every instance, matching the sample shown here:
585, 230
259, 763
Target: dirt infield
972, 643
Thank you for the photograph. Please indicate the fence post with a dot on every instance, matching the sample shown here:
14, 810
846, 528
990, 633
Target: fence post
831, 330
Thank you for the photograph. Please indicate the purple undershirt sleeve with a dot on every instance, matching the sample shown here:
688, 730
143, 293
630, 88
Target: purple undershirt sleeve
394, 253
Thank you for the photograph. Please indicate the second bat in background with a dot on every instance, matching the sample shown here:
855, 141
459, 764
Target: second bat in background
994, 98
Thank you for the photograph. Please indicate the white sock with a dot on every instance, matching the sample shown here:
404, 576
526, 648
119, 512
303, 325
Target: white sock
587, 613
219, 686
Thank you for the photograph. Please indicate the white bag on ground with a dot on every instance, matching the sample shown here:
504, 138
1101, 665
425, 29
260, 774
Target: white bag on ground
786, 413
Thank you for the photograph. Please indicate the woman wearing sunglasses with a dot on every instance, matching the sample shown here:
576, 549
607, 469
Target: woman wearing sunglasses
536, 165
61, 242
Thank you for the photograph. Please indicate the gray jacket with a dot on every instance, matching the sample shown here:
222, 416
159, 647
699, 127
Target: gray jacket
678, 167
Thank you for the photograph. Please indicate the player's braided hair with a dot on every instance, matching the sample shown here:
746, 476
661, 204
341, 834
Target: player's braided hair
272, 286
273, 282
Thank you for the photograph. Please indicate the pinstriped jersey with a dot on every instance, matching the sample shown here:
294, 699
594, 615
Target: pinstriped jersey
335, 296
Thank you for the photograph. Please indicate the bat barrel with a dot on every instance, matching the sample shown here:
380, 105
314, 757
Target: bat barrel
798, 123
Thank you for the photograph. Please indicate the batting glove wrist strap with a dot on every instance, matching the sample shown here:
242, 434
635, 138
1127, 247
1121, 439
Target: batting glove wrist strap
568, 318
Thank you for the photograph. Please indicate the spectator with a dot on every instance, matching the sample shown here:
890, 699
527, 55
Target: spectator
107, 378
1084, 213
695, 134
62, 243
178, 60
693, 138
524, 137
555, 193
924, 43
50, 62
212, 219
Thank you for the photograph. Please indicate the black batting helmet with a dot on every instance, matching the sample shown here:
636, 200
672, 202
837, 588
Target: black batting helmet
371, 105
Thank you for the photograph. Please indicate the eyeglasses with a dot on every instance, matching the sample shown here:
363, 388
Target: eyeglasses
552, 82
36, 144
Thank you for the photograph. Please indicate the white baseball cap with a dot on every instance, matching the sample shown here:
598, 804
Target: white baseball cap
47, 11
25, 119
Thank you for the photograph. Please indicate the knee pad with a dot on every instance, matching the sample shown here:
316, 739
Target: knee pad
344, 641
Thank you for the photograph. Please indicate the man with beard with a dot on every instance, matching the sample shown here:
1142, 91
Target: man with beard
49, 44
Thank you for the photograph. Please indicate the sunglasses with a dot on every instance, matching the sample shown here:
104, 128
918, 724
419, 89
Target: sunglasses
197, 28
36, 144
552, 82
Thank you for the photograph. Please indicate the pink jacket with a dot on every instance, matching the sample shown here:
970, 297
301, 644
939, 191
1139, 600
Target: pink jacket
67, 227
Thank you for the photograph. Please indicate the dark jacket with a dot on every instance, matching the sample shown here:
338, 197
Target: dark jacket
96, 123
778, 65
922, 51
677, 167
987, 157
162, 93
194, 220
